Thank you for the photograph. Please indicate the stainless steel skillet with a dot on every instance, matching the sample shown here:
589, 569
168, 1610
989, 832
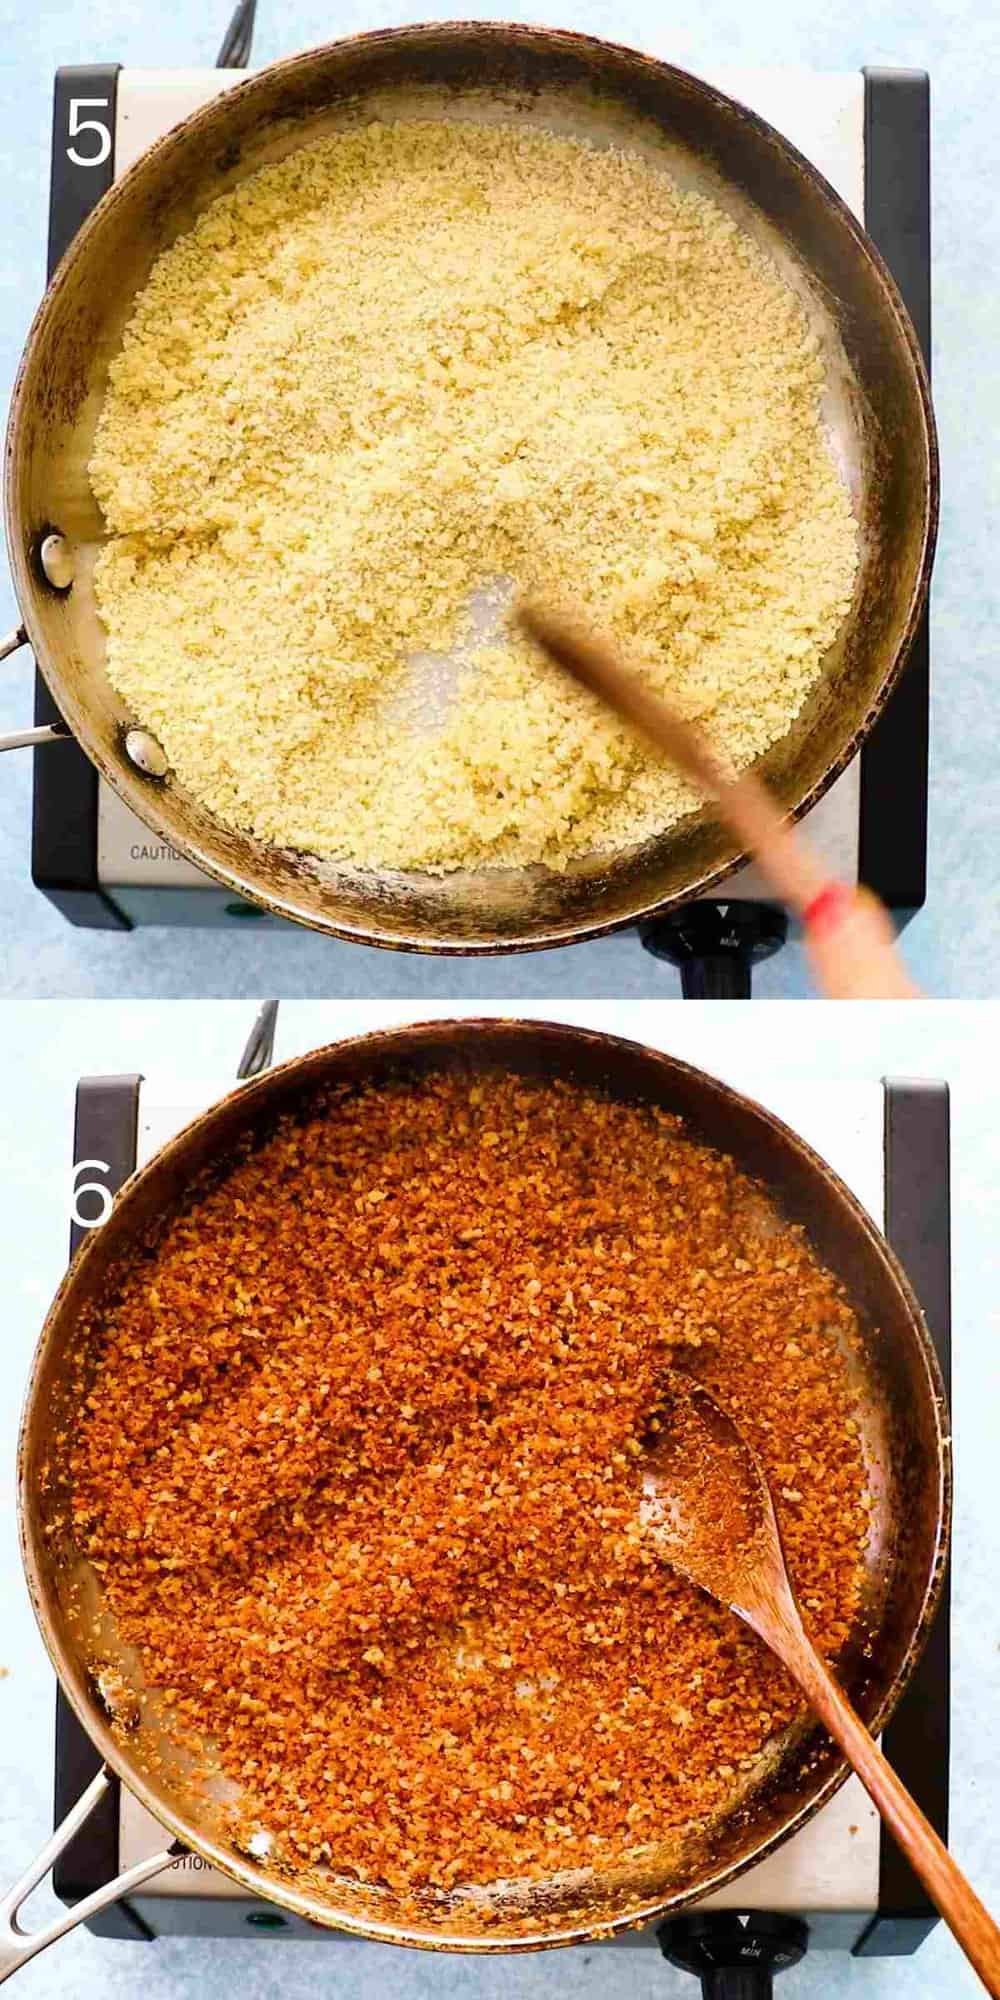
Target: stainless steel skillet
878, 410
906, 1433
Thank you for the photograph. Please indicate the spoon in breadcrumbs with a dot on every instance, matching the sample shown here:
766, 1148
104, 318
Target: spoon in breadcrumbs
848, 934
707, 1510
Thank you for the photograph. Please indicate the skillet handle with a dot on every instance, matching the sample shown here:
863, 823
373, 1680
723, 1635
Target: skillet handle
32, 739
12, 642
26, 739
17, 1945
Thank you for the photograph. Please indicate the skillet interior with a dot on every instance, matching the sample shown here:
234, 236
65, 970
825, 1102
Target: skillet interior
906, 1433
877, 410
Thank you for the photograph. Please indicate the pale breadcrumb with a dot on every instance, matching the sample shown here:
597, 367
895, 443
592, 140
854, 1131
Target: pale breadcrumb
407, 361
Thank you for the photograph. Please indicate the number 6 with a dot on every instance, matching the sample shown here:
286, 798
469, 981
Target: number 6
105, 1198
78, 125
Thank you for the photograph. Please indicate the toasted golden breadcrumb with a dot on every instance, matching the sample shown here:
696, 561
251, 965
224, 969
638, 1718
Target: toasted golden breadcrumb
360, 1467
410, 360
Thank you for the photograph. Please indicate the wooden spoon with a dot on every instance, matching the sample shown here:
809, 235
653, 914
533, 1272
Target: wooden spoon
707, 1508
849, 937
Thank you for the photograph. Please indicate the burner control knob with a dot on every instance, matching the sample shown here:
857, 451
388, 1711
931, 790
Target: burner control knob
715, 946
735, 1957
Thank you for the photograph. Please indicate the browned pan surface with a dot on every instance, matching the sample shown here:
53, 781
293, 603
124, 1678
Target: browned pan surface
878, 414
906, 1438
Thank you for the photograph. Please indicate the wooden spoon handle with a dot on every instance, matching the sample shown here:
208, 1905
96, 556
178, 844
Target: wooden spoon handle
851, 946
947, 1887
853, 949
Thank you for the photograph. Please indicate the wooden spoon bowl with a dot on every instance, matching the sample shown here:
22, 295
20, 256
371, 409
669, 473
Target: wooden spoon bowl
707, 1508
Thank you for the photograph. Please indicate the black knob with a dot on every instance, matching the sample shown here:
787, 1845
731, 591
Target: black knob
716, 945
736, 1958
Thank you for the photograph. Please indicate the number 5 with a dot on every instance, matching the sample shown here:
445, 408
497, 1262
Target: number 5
78, 125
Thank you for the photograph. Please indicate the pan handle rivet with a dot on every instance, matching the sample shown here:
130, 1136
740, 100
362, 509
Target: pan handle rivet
57, 561
148, 756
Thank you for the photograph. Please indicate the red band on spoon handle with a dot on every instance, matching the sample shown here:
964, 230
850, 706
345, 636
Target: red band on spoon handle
828, 908
851, 946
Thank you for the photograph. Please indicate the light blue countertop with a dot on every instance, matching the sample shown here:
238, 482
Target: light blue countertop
954, 945
46, 1048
